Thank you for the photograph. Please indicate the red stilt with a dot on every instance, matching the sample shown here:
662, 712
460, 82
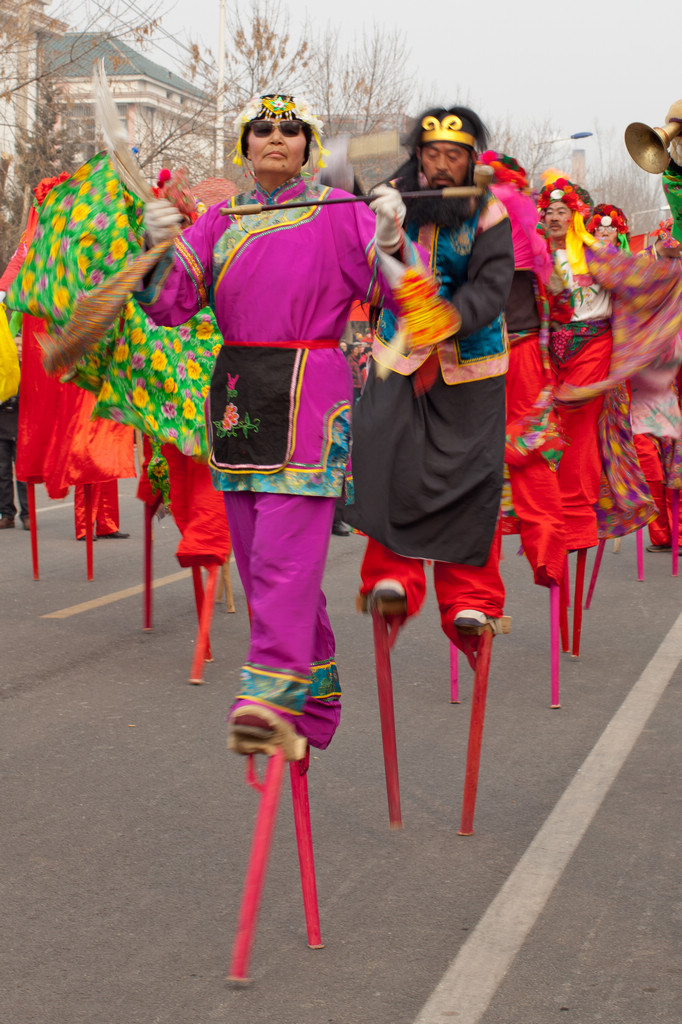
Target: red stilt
87, 492
149, 511
202, 649
578, 602
595, 573
675, 511
554, 617
563, 608
385, 631
198, 582
31, 495
640, 555
454, 674
264, 829
298, 771
478, 699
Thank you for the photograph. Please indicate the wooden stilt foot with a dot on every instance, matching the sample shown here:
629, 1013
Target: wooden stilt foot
640, 555
225, 586
298, 771
202, 648
595, 572
478, 700
385, 632
578, 601
257, 867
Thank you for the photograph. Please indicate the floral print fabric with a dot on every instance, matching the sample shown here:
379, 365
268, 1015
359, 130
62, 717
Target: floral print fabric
153, 378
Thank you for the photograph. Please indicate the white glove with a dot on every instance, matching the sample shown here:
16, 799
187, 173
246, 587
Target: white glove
162, 220
390, 213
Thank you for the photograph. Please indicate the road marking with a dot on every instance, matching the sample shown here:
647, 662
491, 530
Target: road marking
120, 595
55, 505
469, 984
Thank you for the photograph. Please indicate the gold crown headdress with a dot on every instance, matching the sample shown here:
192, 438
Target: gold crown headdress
447, 130
277, 107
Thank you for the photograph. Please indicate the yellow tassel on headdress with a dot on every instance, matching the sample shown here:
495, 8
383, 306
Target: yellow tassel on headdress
577, 237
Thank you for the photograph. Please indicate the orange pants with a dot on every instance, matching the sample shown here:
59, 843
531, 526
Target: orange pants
457, 586
104, 508
580, 467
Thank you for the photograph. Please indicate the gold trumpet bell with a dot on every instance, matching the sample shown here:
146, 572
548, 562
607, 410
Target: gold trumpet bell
648, 147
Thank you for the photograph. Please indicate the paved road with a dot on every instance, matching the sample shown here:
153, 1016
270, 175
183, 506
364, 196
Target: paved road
126, 824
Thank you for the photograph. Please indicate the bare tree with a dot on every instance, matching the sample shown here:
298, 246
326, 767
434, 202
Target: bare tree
364, 87
263, 55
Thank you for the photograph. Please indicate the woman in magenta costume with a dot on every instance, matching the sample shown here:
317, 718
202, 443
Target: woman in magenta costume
281, 284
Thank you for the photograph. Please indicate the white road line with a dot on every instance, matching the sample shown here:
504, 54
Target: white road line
468, 986
119, 595
54, 506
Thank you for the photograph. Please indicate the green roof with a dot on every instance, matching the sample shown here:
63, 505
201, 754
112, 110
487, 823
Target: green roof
74, 54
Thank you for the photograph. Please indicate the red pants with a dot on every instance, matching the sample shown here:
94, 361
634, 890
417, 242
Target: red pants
104, 508
660, 528
457, 586
580, 467
535, 487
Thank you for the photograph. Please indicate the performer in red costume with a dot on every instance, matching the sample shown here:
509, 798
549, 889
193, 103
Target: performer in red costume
580, 352
533, 446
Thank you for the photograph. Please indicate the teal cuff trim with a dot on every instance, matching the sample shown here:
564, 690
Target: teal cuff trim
324, 677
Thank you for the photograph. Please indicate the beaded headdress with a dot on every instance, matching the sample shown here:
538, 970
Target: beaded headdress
276, 107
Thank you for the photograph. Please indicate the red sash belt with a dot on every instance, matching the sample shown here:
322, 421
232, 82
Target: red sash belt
308, 343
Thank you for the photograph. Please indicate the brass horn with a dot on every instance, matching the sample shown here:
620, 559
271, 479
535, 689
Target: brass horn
648, 147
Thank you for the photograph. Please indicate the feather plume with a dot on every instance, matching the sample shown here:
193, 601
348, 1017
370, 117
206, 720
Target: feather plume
116, 138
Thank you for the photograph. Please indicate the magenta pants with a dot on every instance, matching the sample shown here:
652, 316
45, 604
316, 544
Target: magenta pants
280, 544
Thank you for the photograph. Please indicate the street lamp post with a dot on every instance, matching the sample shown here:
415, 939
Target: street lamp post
577, 157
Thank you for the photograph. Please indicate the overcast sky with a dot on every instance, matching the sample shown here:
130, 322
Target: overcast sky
585, 66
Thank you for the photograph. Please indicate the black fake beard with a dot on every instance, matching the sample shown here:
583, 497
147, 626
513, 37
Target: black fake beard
446, 213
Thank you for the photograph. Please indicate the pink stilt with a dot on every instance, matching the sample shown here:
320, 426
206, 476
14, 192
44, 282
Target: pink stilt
595, 573
202, 649
578, 602
264, 829
149, 511
478, 699
676, 528
87, 492
454, 674
298, 771
385, 632
563, 608
554, 616
640, 555
31, 495
198, 582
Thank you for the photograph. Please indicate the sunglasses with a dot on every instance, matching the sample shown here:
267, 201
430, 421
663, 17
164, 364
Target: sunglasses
289, 129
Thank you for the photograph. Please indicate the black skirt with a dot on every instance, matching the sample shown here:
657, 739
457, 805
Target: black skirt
427, 470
